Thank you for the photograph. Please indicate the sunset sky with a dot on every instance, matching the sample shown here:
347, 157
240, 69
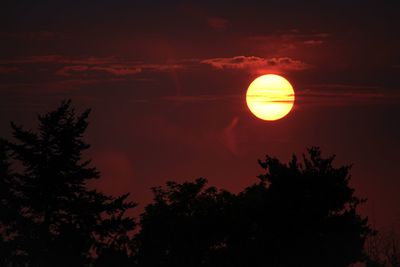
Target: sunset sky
166, 81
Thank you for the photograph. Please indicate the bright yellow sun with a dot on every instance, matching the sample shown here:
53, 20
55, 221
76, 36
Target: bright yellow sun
270, 97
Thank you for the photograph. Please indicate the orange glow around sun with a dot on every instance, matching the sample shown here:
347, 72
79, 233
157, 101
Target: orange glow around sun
270, 97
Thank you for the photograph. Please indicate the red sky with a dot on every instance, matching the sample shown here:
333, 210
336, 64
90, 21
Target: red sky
166, 82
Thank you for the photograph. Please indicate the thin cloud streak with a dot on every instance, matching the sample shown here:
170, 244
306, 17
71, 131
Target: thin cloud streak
340, 98
304, 98
217, 23
254, 63
78, 67
8, 70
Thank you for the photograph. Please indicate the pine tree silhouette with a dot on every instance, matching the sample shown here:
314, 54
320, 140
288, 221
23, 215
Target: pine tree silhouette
61, 222
9, 212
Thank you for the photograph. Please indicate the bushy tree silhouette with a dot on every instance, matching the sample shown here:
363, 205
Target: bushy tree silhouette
185, 225
59, 221
301, 214
296, 215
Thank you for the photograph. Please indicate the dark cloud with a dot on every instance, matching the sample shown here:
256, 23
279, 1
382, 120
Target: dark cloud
101, 68
217, 23
257, 64
29, 36
201, 98
288, 41
313, 42
346, 95
8, 70
59, 59
115, 70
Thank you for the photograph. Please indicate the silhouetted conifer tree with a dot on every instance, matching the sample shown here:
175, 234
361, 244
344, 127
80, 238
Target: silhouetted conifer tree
9, 212
383, 250
60, 222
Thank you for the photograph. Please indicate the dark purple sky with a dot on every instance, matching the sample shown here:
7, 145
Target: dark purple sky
166, 81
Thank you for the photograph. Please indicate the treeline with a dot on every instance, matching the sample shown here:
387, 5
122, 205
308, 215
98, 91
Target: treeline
303, 213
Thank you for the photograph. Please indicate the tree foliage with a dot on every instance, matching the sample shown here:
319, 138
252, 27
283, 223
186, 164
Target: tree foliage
383, 249
185, 225
298, 214
60, 222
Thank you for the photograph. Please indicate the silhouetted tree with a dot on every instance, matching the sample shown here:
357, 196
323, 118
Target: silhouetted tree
383, 250
296, 215
60, 222
9, 212
300, 214
185, 225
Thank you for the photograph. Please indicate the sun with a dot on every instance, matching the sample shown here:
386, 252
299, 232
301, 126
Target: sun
270, 97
